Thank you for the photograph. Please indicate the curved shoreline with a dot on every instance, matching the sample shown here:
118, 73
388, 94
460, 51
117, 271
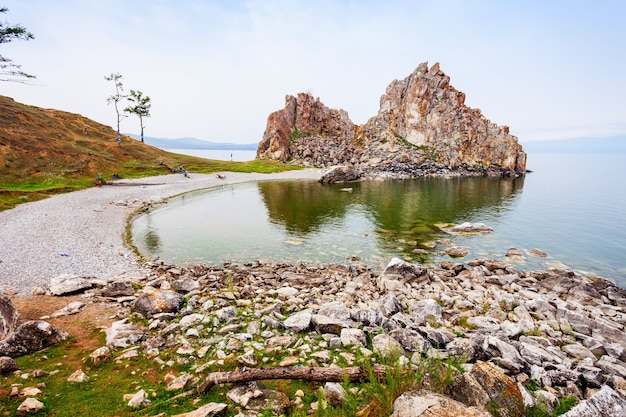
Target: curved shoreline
82, 232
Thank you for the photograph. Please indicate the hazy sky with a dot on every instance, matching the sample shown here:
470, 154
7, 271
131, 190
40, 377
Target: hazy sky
215, 70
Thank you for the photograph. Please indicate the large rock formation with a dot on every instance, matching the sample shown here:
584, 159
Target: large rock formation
423, 127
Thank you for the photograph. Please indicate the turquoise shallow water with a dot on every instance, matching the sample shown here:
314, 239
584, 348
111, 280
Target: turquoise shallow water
572, 207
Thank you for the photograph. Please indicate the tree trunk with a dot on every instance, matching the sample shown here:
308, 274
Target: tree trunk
304, 373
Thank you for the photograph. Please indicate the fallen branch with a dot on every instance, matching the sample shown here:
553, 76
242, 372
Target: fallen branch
168, 167
304, 373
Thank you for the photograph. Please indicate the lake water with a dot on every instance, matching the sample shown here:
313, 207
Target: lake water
572, 206
219, 154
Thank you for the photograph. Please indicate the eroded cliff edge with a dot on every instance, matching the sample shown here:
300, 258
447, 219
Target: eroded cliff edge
423, 127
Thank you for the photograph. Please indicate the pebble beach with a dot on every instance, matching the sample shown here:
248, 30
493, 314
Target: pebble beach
82, 232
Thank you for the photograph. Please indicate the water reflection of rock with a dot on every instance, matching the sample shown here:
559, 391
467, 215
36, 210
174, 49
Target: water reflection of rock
303, 207
400, 209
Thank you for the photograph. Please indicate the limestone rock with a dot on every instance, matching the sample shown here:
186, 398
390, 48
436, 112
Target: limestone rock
429, 404
340, 174
122, 334
185, 284
158, 301
7, 365
334, 393
30, 337
457, 252
485, 384
386, 345
118, 289
604, 403
68, 310
78, 376
179, 382
67, 284
299, 322
207, 410
100, 355
30, 406
469, 228
139, 399
8, 316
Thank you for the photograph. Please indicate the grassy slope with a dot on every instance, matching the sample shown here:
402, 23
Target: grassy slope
45, 152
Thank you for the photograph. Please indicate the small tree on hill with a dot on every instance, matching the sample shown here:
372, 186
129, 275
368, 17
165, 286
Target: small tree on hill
10, 71
141, 107
115, 99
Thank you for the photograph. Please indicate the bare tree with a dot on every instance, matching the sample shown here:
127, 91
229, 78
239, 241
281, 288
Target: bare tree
141, 107
115, 99
10, 71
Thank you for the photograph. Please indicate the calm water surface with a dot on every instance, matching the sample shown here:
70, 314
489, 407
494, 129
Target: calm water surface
571, 206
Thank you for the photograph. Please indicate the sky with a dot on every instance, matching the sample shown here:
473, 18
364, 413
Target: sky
214, 70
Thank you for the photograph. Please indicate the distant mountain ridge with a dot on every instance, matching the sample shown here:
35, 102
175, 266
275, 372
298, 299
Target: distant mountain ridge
194, 143
615, 144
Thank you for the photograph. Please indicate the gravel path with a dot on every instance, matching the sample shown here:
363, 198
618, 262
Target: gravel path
81, 233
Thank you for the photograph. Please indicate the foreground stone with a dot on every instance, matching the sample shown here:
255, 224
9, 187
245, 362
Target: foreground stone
604, 403
430, 404
560, 333
31, 336
67, 284
207, 410
30, 406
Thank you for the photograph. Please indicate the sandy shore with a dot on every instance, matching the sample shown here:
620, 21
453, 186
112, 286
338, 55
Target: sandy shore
81, 233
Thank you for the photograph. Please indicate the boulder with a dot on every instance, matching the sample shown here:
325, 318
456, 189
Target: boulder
335, 309
7, 365
185, 284
118, 289
30, 337
30, 406
485, 386
299, 322
469, 228
67, 284
122, 334
158, 301
429, 404
100, 355
8, 316
604, 403
387, 346
207, 410
335, 394
68, 310
325, 324
340, 174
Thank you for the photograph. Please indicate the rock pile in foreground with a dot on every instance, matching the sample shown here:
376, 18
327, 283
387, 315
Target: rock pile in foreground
526, 338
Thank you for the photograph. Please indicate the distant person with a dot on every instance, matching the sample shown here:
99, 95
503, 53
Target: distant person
231, 156
115, 176
86, 130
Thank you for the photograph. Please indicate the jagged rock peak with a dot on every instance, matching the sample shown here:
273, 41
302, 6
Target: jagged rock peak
422, 120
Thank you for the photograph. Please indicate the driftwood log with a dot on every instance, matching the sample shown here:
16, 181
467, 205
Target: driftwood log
304, 373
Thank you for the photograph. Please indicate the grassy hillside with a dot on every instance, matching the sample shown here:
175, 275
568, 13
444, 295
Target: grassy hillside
45, 152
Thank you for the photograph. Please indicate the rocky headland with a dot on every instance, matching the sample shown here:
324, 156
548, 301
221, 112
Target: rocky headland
423, 127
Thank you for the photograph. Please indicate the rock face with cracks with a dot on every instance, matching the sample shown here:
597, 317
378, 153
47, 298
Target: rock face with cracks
423, 127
